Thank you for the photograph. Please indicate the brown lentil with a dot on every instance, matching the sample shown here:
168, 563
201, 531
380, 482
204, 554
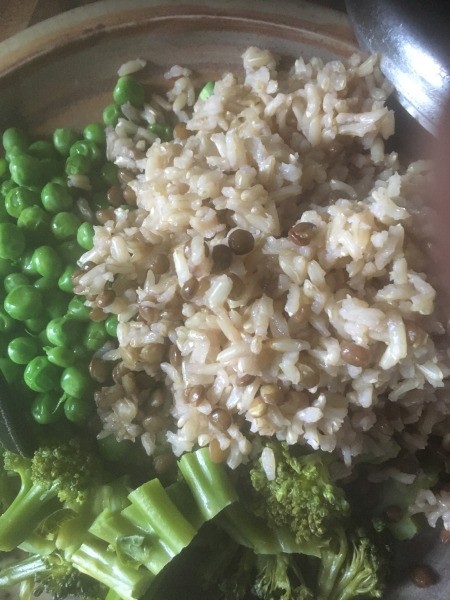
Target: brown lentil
180, 131
152, 353
106, 298
119, 370
99, 370
222, 257
88, 266
246, 379
220, 418
174, 356
309, 376
423, 576
159, 264
125, 176
104, 214
189, 289
129, 195
393, 513
302, 233
157, 398
302, 315
216, 453
354, 354
271, 394
241, 241
196, 394
97, 315
76, 276
143, 380
257, 408
163, 462
114, 196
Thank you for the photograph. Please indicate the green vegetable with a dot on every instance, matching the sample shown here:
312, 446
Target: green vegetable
78, 165
95, 132
111, 325
76, 382
111, 114
47, 408
65, 280
95, 336
22, 350
23, 302
60, 356
54, 475
85, 236
129, 90
33, 220
41, 375
13, 137
88, 149
56, 198
13, 280
164, 132
7, 324
63, 331
64, 225
78, 310
47, 262
207, 90
78, 410
27, 170
42, 149
63, 139
18, 199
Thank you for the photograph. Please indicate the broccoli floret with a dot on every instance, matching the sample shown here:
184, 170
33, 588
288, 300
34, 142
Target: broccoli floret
301, 497
279, 578
51, 574
354, 566
54, 477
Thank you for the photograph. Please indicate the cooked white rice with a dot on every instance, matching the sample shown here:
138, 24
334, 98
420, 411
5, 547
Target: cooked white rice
264, 153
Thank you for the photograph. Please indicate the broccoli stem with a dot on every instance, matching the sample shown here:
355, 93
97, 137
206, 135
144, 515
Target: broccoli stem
209, 482
21, 570
247, 530
162, 515
95, 559
181, 496
330, 567
32, 504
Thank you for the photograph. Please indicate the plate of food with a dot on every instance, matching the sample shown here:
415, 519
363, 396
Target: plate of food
224, 368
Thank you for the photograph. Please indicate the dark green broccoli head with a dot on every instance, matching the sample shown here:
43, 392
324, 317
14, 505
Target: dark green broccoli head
301, 497
71, 469
279, 578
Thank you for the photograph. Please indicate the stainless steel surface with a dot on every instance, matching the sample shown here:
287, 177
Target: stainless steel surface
413, 41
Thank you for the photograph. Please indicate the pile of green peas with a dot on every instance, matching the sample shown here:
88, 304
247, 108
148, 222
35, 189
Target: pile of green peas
47, 338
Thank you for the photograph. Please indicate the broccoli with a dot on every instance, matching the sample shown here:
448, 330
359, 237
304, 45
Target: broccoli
53, 575
55, 477
301, 497
279, 577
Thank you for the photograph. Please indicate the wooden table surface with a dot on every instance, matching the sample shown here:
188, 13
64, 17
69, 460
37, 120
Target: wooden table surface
16, 15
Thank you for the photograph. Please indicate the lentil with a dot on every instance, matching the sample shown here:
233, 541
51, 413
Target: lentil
99, 370
189, 289
114, 195
222, 257
246, 379
220, 418
423, 576
129, 196
302, 233
125, 176
258, 407
415, 334
393, 513
159, 264
196, 394
241, 242
174, 356
354, 354
271, 394
180, 131
106, 298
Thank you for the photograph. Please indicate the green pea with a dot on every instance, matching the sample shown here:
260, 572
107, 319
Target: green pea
63, 139
7, 186
88, 149
109, 173
35, 325
6, 267
26, 170
12, 241
45, 283
111, 324
70, 251
111, 114
64, 225
56, 198
78, 165
23, 302
42, 337
99, 200
95, 132
7, 324
25, 263
129, 90
50, 168
78, 410
13, 137
34, 221
95, 336
78, 310
65, 280
41, 375
47, 408
207, 90
47, 262
42, 149
112, 449
60, 356
85, 236
76, 382
55, 303
13, 280
23, 349
80, 353
19, 198
4, 169
164, 132
63, 331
